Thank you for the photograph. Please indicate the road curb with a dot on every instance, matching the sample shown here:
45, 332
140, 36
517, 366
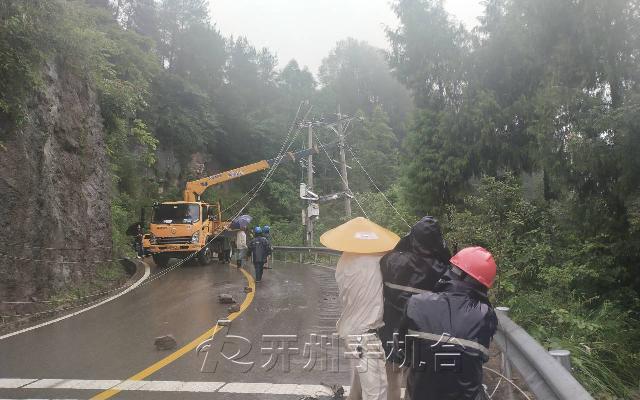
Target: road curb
130, 285
138, 267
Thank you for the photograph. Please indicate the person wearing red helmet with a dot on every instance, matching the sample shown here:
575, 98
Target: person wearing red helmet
448, 331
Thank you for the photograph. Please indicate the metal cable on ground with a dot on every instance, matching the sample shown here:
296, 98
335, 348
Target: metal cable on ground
93, 248
374, 184
495, 389
101, 293
279, 159
237, 214
508, 380
61, 261
26, 246
24, 317
339, 174
156, 276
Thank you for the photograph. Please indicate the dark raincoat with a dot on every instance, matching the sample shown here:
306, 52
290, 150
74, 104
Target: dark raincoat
460, 310
268, 237
260, 249
414, 266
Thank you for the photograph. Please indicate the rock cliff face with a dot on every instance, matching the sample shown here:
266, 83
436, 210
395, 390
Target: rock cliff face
54, 190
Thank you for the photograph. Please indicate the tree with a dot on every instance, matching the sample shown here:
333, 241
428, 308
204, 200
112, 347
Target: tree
176, 17
429, 52
375, 146
200, 57
356, 76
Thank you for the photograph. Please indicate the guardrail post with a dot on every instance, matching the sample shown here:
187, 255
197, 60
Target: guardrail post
300, 256
506, 365
315, 258
563, 357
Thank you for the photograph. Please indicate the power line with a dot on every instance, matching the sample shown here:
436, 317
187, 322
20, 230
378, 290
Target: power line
267, 176
376, 186
340, 175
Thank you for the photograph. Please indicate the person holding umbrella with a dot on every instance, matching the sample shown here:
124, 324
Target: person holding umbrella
241, 223
359, 281
241, 245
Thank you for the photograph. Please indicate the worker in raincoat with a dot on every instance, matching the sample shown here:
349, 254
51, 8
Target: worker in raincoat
266, 232
448, 331
359, 281
414, 266
260, 250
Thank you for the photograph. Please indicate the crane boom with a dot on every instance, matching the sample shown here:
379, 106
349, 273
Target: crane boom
194, 189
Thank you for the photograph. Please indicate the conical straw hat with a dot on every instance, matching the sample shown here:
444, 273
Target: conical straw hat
360, 236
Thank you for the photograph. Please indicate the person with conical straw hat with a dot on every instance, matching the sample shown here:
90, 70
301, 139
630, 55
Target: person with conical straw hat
363, 243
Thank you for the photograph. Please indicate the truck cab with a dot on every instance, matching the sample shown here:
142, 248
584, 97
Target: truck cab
179, 229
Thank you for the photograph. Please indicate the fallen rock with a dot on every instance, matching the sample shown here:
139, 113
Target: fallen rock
166, 342
337, 389
247, 289
225, 299
234, 308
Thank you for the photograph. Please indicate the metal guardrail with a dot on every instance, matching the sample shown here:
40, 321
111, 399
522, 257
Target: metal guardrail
301, 251
548, 378
309, 250
545, 376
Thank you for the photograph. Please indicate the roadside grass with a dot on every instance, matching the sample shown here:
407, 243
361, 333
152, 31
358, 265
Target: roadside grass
603, 342
567, 289
108, 275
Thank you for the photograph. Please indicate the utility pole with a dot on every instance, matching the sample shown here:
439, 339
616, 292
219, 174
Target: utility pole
309, 220
343, 166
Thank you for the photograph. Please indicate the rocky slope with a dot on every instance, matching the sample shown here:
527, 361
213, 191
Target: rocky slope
54, 190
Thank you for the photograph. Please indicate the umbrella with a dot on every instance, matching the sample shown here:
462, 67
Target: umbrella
241, 222
132, 230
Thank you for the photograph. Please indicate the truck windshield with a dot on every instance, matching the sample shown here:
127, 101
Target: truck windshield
176, 214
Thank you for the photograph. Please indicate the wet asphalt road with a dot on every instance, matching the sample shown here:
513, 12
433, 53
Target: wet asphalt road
115, 340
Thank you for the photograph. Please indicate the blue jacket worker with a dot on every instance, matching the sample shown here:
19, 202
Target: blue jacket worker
260, 250
448, 331
266, 232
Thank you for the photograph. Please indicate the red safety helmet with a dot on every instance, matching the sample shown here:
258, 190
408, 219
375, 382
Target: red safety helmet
478, 263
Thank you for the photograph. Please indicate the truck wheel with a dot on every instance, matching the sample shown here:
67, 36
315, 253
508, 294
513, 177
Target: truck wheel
161, 260
204, 256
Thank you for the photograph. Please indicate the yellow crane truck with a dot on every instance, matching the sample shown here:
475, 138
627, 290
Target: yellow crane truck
181, 228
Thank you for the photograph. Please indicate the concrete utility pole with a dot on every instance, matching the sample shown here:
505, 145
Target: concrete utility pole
343, 166
309, 220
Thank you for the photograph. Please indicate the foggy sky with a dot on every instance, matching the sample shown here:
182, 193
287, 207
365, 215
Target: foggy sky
308, 29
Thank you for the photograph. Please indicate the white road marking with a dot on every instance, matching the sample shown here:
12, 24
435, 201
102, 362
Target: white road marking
72, 384
147, 272
275, 388
169, 386
6, 383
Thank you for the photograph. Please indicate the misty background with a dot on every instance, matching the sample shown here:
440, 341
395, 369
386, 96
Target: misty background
307, 30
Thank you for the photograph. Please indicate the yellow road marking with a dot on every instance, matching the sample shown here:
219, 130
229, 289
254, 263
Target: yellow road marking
145, 373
